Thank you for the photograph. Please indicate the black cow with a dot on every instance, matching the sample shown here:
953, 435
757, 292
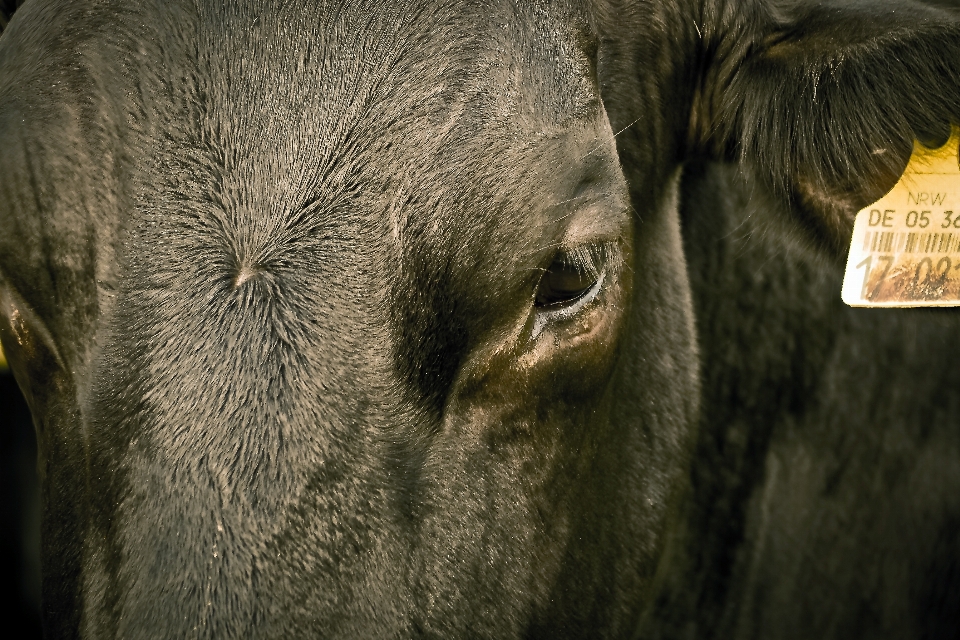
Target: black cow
359, 319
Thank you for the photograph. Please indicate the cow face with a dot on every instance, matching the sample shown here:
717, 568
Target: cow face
356, 320
361, 351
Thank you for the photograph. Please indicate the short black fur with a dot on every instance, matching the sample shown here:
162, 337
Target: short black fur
268, 278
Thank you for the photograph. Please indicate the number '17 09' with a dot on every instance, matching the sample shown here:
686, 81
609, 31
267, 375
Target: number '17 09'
925, 276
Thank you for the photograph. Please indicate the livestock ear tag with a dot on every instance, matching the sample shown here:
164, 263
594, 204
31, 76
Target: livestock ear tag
905, 250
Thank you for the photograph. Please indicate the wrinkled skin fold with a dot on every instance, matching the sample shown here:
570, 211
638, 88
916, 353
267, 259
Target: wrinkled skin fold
272, 280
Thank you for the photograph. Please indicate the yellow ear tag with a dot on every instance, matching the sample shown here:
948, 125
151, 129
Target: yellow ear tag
905, 250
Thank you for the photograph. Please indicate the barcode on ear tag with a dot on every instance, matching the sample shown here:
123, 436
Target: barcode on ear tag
905, 250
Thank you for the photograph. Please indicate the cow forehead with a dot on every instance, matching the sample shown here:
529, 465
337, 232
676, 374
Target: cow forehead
312, 139
328, 89
350, 115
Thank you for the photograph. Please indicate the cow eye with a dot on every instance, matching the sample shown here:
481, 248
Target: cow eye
570, 276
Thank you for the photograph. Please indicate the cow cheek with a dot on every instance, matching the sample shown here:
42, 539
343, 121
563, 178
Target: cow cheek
516, 448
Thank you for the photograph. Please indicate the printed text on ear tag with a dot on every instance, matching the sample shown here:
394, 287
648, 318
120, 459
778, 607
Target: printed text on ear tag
906, 246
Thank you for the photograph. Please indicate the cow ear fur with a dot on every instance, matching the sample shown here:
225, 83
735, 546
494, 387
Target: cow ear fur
29, 347
823, 102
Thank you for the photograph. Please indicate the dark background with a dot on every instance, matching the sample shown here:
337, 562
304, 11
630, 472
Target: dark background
19, 515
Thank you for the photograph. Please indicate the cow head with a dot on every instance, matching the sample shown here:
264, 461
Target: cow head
362, 320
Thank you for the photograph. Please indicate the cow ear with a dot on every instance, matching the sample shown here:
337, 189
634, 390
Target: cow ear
823, 102
29, 347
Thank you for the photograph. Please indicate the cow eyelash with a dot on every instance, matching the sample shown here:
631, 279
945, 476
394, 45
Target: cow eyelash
587, 259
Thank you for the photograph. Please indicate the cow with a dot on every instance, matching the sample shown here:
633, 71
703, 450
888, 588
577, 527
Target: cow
498, 319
